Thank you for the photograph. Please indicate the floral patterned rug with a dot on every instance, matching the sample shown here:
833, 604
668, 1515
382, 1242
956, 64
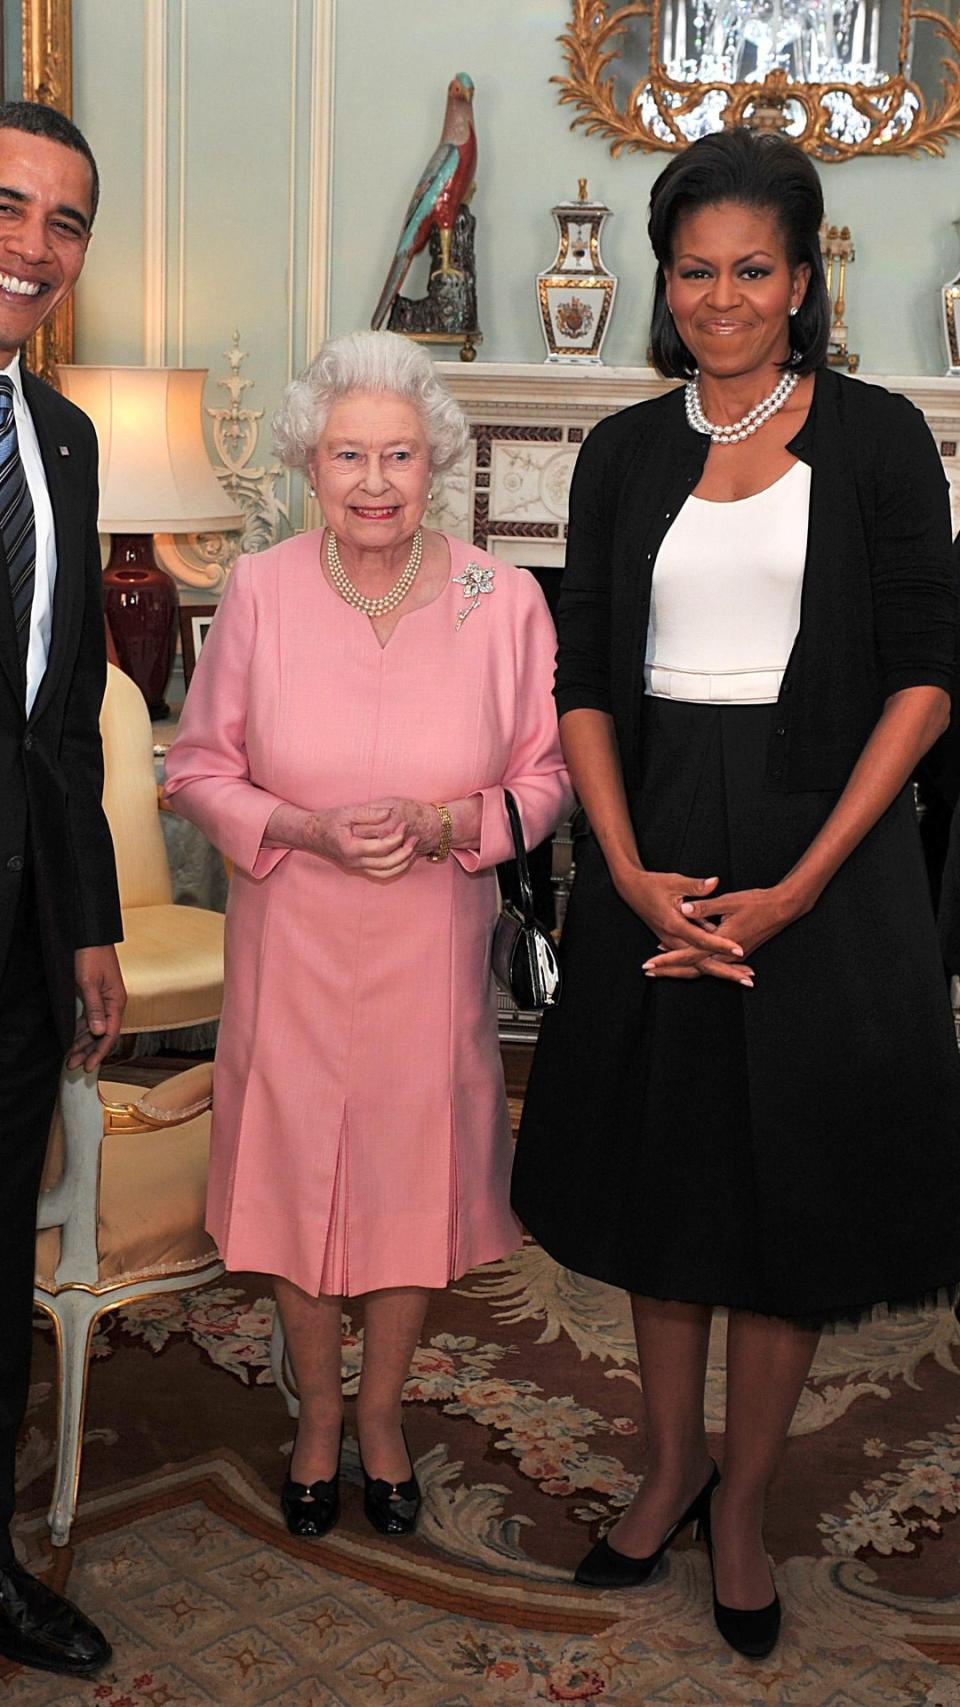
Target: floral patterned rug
526, 1420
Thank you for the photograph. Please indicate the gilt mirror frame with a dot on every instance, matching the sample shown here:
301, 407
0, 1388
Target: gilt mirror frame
48, 78
590, 45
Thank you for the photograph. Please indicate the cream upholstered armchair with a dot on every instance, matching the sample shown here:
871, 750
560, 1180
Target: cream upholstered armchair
121, 1218
121, 1214
171, 956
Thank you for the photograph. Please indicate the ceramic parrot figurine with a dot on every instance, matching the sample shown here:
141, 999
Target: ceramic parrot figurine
444, 184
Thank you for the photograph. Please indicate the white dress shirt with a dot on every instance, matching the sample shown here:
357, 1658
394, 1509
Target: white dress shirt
727, 585
41, 614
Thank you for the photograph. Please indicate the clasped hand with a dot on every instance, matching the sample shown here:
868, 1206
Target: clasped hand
709, 936
381, 840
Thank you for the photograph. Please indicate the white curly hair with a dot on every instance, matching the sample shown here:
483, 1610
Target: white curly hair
368, 361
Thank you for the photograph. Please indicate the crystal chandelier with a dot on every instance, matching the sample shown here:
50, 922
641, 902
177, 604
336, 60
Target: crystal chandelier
825, 42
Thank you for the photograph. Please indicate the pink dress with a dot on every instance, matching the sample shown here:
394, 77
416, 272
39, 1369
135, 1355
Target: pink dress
360, 1130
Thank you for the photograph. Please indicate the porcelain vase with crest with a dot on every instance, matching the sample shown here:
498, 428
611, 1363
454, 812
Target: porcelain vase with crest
576, 294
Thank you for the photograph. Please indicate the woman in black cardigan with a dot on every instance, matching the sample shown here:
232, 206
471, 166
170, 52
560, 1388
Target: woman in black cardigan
750, 1092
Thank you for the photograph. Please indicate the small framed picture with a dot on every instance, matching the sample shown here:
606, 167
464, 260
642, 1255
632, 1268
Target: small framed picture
195, 623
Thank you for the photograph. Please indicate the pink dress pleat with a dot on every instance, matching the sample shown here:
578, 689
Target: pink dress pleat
360, 1131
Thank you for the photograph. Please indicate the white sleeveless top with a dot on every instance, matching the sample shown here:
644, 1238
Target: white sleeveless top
725, 605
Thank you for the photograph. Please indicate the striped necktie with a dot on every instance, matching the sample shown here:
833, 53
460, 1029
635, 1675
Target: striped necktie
17, 524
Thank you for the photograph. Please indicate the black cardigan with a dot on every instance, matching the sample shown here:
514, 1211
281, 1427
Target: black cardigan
879, 603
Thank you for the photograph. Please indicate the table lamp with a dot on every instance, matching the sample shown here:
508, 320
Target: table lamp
155, 477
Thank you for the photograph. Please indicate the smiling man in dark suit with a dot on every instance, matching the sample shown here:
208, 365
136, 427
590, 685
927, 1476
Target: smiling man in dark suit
59, 910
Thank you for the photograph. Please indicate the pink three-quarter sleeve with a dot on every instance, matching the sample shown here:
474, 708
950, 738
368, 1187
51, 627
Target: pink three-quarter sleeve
207, 774
535, 774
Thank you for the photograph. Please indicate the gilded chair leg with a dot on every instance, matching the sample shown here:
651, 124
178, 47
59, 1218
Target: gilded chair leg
75, 1314
280, 1366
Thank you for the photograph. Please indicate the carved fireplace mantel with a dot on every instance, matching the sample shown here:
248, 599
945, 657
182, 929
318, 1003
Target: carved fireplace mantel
509, 493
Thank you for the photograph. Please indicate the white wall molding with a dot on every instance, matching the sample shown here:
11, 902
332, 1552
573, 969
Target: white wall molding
155, 185
292, 185
202, 562
319, 245
509, 492
568, 391
320, 195
182, 193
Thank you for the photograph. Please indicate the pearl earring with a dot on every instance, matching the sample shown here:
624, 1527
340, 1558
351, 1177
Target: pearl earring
313, 491
794, 311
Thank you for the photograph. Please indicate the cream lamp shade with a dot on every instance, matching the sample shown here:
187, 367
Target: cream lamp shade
155, 477
155, 471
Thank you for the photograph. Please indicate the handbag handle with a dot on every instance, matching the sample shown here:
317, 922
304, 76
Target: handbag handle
520, 855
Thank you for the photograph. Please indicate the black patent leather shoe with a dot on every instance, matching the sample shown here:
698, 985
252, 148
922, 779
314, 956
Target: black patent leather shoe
42, 1629
311, 1508
604, 1567
391, 1507
751, 1632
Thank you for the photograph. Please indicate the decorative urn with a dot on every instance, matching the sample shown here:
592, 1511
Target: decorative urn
576, 294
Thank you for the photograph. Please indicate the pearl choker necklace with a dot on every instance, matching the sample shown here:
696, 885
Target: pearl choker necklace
351, 594
730, 433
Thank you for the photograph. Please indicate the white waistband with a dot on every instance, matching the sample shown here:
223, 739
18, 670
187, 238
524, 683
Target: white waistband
732, 687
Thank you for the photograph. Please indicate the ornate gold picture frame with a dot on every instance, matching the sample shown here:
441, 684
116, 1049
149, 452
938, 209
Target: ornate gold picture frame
893, 114
48, 77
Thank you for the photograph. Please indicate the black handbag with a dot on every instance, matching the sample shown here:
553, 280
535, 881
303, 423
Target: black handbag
525, 962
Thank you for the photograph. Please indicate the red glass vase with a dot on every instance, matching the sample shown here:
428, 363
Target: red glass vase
140, 601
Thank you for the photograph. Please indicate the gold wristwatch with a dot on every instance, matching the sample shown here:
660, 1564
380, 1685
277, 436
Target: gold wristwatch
446, 835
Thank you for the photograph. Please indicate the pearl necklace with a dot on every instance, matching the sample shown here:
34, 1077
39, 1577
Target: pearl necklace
730, 433
352, 595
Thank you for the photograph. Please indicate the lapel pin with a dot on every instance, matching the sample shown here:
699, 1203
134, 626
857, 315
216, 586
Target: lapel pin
64, 450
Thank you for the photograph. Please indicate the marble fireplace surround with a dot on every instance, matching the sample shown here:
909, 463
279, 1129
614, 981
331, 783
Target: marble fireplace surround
509, 493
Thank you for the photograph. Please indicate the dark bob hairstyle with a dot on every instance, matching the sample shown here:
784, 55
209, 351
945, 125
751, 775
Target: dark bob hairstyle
756, 169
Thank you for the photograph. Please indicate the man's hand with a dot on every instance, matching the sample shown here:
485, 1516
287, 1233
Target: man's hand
100, 987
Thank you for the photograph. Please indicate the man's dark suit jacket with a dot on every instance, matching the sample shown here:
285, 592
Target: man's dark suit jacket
51, 765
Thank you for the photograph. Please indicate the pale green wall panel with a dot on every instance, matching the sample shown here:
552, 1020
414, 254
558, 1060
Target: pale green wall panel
237, 170
393, 64
901, 213
389, 112
247, 98
238, 105
238, 113
12, 51
108, 75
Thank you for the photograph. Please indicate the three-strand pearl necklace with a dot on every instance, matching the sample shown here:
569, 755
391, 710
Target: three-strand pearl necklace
730, 433
353, 596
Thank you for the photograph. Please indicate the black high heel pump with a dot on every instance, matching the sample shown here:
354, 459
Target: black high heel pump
312, 1508
604, 1567
391, 1507
751, 1632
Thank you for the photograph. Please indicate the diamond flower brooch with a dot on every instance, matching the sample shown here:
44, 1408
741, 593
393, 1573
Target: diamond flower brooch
474, 581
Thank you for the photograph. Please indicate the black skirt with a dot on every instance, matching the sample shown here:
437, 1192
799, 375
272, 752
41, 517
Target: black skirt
793, 1149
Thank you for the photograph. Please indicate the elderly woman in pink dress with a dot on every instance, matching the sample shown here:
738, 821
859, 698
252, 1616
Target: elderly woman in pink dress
365, 695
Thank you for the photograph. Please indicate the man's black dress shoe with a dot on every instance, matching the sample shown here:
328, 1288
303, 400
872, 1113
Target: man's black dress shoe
604, 1567
41, 1629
